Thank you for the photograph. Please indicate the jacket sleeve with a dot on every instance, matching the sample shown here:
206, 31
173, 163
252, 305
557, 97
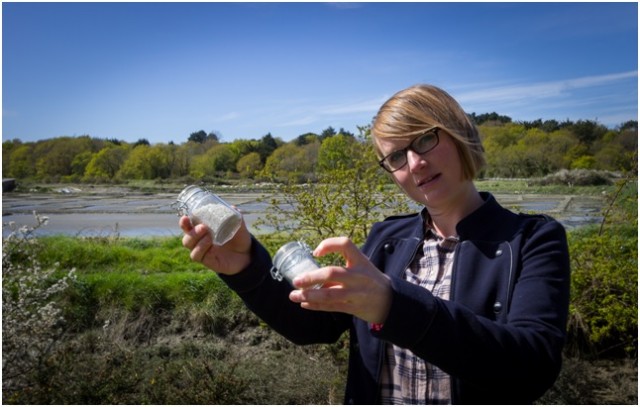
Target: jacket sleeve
518, 356
269, 300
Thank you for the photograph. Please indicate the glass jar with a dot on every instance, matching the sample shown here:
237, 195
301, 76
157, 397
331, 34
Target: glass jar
205, 207
291, 260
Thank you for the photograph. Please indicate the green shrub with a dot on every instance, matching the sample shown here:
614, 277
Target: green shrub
604, 291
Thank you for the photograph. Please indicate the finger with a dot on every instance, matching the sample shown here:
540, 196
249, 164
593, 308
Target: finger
342, 245
185, 224
325, 299
328, 276
200, 250
194, 235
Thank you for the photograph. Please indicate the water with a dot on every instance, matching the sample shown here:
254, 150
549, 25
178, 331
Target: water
104, 213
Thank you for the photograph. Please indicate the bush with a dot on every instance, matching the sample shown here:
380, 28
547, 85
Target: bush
604, 295
32, 319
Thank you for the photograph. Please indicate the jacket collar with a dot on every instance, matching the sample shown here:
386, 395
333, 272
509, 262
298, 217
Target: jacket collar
481, 223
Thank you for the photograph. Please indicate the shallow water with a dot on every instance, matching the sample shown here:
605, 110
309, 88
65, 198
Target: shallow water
138, 215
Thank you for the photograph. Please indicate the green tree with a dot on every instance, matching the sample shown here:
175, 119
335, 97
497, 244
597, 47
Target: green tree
146, 162
21, 163
306, 138
54, 157
335, 152
326, 133
500, 144
198, 136
80, 162
7, 148
345, 201
249, 165
289, 162
219, 158
588, 131
267, 146
106, 163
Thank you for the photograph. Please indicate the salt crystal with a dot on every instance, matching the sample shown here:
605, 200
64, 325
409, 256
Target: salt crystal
223, 221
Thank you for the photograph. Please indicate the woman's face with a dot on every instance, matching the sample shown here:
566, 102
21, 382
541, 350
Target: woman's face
433, 179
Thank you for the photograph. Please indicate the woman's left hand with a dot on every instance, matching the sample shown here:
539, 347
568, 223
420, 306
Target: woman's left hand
358, 288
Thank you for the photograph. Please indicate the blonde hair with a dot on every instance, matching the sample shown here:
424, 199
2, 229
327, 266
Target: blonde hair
419, 108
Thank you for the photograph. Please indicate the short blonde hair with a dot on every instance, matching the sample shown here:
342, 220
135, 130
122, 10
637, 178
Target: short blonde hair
415, 110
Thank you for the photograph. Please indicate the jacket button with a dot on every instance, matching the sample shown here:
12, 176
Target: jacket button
497, 307
389, 248
498, 252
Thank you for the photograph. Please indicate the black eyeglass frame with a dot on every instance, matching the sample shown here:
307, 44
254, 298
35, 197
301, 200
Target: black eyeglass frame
433, 130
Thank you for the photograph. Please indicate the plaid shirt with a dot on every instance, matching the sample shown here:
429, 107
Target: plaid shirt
406, 378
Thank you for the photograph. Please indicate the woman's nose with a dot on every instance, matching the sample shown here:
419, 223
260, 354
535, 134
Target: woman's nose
415, 160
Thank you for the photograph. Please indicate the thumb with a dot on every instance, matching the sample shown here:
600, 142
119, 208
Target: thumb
342, 245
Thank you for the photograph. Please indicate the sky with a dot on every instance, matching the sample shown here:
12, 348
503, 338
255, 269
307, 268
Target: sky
161, 71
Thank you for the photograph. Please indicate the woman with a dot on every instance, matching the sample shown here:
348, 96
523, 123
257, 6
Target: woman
464, 302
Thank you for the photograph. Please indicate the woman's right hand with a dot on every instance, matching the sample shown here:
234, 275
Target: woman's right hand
230, 258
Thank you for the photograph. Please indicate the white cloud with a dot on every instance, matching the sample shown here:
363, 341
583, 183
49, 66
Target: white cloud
227, 117
541, 90
355, 107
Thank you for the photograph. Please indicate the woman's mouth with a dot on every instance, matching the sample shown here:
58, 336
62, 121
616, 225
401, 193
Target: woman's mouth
427, 181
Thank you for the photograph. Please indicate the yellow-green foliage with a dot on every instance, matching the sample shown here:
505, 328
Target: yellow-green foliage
604, 289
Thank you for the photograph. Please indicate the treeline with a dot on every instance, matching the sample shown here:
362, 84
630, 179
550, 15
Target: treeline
513, 149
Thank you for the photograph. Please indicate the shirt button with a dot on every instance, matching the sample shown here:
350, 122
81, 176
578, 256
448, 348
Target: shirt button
389, 248
497, 307
498, 252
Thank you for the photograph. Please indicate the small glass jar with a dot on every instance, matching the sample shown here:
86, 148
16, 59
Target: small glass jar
291, 260
203, 206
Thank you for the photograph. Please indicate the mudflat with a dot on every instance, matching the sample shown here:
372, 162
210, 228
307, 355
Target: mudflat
92, 211
87, 210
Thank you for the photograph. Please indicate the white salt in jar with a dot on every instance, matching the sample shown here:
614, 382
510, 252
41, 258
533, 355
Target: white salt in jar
292, 259
203, 206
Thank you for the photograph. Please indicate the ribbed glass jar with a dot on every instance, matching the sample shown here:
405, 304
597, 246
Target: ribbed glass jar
205, 207
292, 259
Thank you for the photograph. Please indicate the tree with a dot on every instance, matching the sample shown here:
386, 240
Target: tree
219, 158
106, 163
80, 162
500, 143
267, 145
305, 138
588, 131
145, 162
21, 163
215, 136
198, 136
289, 161
7, 148
345, 201
326, 133
335, 152
249, 165
54, 157
490, 118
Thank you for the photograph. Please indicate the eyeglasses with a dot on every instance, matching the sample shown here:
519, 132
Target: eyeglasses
421, 145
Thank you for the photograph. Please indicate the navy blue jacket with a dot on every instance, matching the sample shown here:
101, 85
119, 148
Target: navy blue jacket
499, 336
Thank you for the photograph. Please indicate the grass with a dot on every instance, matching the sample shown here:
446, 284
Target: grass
109, 255
167, 334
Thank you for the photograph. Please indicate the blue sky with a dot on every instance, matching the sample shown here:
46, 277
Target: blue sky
161, 71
